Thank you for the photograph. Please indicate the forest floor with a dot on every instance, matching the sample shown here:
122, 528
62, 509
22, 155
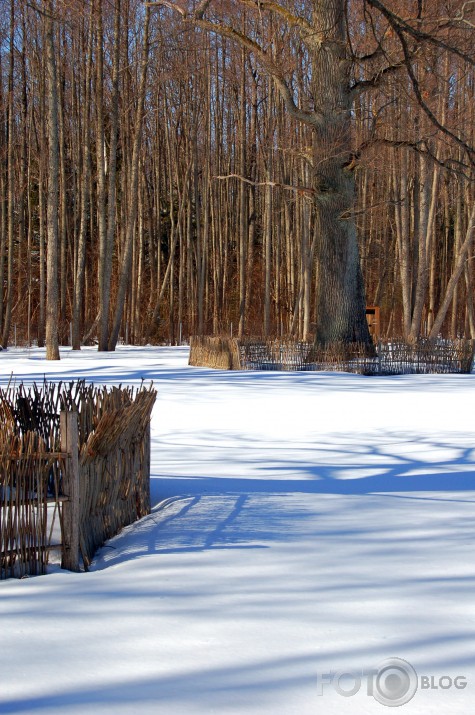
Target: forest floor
304, 524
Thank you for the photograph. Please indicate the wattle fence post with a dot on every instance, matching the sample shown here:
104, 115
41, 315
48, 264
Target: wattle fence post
70, 489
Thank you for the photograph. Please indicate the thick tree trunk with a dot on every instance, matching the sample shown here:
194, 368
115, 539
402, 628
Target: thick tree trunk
340, 296
243, 201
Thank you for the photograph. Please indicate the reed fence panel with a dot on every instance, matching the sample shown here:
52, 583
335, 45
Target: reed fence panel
75, 456
218, 352
114, 471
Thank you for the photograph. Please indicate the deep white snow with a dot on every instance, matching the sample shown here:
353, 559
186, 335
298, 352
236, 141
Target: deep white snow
305, 523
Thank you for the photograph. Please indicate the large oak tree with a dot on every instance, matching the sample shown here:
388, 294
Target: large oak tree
322, 31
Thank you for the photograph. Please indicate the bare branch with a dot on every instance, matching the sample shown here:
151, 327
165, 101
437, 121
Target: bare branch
420, 147
201, 8
41, 12
169, 5
361, 212
461, 16
275, 184
291, 19
365, 84
263, 58
401, 26
417, 91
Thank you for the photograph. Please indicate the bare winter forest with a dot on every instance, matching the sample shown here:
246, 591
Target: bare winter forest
262, 167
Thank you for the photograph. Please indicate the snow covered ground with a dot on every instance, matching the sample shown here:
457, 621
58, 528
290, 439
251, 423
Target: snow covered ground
305, 525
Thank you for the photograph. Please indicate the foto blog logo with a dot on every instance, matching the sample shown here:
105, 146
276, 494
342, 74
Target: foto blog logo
393, 683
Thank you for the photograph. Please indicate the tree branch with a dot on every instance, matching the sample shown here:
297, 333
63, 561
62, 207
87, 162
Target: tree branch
428, 111
461, 16
420, 147
400, 25
275, 184
263, 58
362, 85
291, 19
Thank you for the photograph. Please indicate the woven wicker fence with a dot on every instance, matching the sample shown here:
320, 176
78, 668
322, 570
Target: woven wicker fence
392, 357
426, 356
74, 470
29, 487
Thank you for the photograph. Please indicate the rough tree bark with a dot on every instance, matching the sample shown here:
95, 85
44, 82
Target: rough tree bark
340, 292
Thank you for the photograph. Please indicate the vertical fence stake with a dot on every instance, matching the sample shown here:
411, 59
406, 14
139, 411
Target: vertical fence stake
146, 498
70, 537
71, 334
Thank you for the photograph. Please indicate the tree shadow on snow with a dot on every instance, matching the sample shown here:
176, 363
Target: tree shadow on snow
203, 513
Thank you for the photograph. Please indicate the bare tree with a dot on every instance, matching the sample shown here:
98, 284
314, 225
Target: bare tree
10, 182
52, 297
